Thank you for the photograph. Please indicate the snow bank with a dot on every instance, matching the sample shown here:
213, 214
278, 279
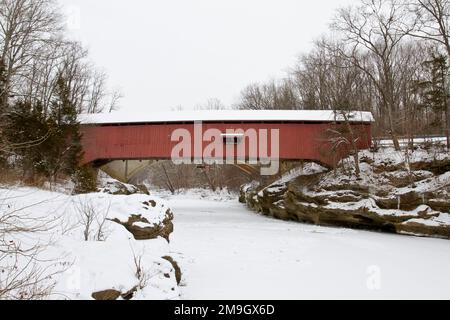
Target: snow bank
197, 193
78, 268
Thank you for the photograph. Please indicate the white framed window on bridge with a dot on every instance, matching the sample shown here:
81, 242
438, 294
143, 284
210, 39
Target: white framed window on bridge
232, 138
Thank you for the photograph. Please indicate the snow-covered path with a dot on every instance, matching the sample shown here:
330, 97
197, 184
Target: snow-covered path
229, 252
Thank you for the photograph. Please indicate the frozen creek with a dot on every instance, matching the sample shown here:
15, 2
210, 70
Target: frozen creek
228, 252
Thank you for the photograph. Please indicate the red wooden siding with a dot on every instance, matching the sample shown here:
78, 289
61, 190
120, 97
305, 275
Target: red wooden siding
298, 141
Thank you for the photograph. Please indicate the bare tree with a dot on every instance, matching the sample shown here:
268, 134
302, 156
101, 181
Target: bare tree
269, 96
339, 87
116, 96
92, 219
211, 104
377, 28
26, 26
96, 93
23, 275
410, 70
35, 53
432, 21
141, 274
76, 72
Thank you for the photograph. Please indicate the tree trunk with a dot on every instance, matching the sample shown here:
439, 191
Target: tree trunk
392, 129
210, 182
354, 147
447, 129
444, 86
168, 181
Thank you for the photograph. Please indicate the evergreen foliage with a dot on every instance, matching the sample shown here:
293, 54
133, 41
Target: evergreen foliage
434, 90
85, 179
49, 145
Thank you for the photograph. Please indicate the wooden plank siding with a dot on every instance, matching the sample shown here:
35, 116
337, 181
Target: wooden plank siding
298, 140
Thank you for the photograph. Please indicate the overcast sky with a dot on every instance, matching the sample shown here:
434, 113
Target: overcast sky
170, 53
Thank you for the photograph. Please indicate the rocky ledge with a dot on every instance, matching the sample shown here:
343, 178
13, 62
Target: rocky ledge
149, 221
407, 193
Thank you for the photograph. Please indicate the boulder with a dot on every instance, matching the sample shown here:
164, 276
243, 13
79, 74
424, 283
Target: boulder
116, 187
109, 294
142, 229
112, 294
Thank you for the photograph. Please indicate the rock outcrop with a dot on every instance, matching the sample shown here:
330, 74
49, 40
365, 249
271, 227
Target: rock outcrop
112, 186
143, 229
386, 196
119, 188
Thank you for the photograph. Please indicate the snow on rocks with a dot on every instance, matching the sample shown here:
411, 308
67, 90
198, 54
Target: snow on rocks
385, 157
307, 169
86, 247
115, 187
143, 228
403, 192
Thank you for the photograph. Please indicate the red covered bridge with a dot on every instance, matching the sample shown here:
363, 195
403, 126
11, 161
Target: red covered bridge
303, 134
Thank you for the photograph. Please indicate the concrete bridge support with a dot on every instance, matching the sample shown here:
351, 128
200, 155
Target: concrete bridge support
125, 170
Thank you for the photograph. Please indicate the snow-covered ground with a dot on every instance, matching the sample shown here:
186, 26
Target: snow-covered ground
404, 142
228, 252
63, 261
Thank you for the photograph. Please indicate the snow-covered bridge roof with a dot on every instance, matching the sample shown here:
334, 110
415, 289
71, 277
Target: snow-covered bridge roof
224, 115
